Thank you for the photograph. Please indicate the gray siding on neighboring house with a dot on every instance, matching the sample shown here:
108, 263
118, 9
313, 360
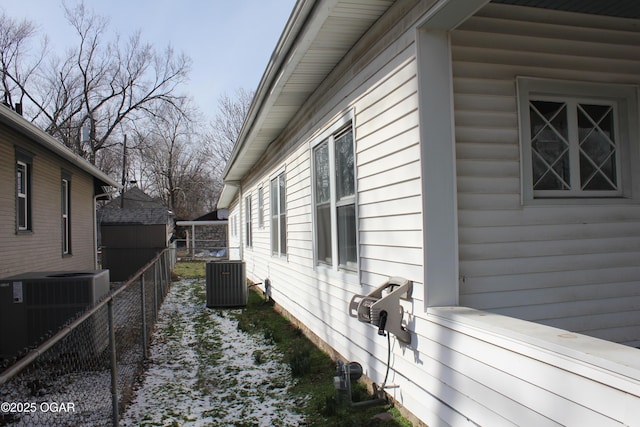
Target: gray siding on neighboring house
573, 266
41, 249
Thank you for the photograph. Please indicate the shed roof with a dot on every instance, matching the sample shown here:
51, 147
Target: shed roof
134, 216
134, 198
138, 208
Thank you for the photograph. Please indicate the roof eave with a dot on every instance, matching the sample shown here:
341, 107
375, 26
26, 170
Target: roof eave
20, 124
270, 81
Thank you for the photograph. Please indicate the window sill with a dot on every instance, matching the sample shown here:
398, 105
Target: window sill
569, 201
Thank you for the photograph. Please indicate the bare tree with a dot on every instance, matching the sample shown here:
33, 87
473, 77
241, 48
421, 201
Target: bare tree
102, 86
18, 63
172, 162
225, 128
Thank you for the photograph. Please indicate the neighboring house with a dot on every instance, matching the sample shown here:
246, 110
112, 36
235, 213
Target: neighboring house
134, 228
487, 151
47, 201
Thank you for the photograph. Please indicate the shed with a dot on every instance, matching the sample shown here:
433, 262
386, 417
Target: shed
134, 228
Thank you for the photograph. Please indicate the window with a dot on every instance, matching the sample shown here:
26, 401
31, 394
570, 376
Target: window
260, 207
234, 230
247, 219
66, 214
23, 192
575, 139
335, 200
278, 216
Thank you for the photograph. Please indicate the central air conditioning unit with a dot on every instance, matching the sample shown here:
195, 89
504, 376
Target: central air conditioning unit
36, 305
226, 284
382, 307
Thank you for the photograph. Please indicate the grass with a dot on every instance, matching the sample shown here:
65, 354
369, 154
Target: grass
190, 269
312, 368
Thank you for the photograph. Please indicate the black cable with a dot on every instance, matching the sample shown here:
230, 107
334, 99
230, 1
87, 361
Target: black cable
386, 375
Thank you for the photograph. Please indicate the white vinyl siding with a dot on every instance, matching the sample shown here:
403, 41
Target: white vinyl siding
561, 262
463, 367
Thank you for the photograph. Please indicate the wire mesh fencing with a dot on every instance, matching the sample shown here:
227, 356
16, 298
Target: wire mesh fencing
84, 375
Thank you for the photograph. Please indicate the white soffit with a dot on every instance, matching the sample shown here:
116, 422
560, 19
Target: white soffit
328, 33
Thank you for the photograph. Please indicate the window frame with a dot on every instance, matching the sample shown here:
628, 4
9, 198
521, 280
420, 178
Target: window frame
624, 100
261, 207
328, 138
248, 221
66, 214
278, 214
24, 162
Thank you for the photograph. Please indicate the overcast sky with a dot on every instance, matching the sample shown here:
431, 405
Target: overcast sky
229, 41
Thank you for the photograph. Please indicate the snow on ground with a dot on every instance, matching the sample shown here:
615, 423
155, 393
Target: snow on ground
203, 371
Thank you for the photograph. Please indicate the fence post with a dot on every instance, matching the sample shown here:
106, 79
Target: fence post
144, 316
163, 271
155, 290
114, 365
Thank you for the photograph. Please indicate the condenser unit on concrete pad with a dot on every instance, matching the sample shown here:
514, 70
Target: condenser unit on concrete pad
226, 284
37, 304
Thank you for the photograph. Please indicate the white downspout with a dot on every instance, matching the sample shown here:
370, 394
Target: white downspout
241, 221
95, 228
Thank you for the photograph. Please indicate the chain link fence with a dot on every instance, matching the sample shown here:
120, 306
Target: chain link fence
201, 249
84, 375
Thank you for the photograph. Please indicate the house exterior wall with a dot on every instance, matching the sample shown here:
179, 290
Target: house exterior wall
41, 249
382, 102
572, 264
463, 367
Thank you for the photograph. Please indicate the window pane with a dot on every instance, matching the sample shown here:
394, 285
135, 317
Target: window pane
65, 216
322, 173
274, 235
22, 213
278, 216
323, 233
347, 251
550, 157
283, 234
260, 207
274, 197
65, 236
345, 183
22, 202
247, 218
21, 180
274, 216
597, 147
282, 194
